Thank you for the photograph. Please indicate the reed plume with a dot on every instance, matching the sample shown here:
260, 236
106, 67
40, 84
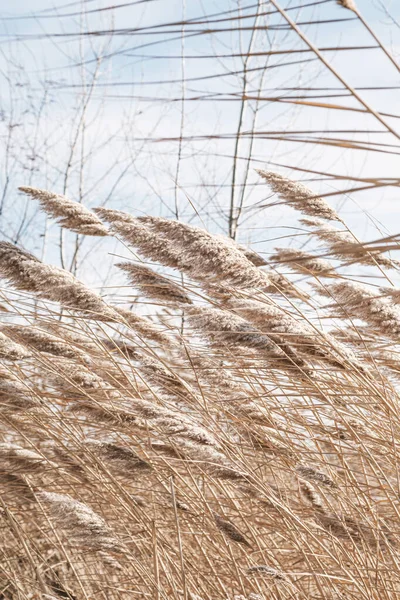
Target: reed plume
122, 459
223, 327
343, 245
356, 300
14, 395
252, 256
42, 341
299, 196
15, 459
265, 571
230, 530
153, 285
83, 527
10, 350
71, 215
148, 243
350, 4
310, 474
303, 262
299, 334
27, 273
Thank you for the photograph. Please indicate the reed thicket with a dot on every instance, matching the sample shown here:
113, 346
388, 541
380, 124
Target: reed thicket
239, 440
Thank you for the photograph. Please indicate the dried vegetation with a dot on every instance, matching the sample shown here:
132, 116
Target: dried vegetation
226, 445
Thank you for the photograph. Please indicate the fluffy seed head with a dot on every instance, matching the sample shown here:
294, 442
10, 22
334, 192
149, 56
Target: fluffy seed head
154, 285
299, 196
120, 458
350, 4
356, 299
11, 350
71, 215
310, 474
343, 245
149, 244
42, 341
27, 273
230, 530
83, 527
207, 256
265, 571
16, 459
302, 262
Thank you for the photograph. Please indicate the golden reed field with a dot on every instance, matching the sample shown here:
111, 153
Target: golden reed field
238, 439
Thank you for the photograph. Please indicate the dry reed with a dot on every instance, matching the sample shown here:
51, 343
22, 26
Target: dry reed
249, 451
71, 215
298, 195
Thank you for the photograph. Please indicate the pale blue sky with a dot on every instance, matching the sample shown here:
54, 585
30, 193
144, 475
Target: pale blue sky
131, 113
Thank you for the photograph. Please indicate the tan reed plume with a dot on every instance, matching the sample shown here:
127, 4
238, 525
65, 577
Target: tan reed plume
299, 196
310, 494
83, 527
224, 327
164, 379
343, 245
299, 334
149, 243
71, 215
350, 4
265, 571
153, 285
392, 293
347, 528
252, 256
14, 395
155, 416
303, 262
310, 474
210, 459
120, 458
75, 381
11, 350
42, 341
27, 273
357, 300
194, 251
106, 412
143, 327
15, 459
230, 530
